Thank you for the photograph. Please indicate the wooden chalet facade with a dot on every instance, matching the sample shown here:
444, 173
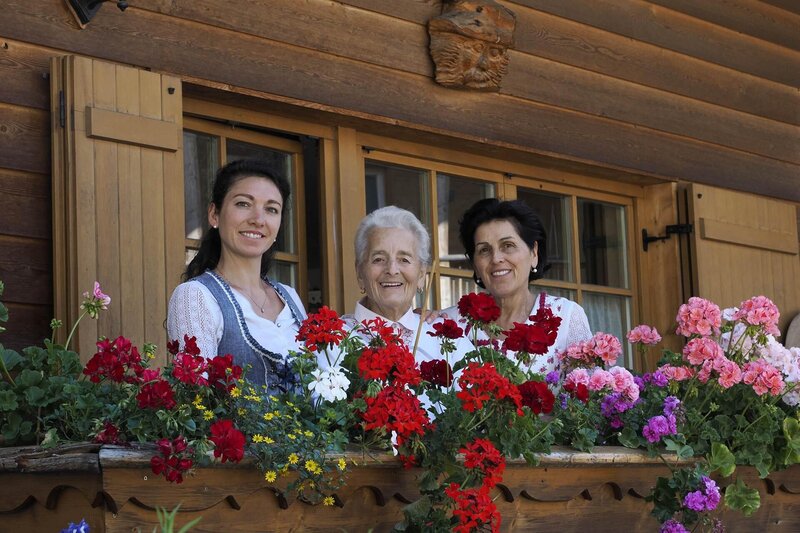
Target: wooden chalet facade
615, 116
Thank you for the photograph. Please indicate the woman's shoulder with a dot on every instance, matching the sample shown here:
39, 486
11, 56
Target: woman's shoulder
192, 288
561, 305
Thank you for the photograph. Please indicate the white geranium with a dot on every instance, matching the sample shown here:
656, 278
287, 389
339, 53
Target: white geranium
330, 384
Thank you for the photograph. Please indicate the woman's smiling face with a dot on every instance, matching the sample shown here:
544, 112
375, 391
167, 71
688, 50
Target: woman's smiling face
502, 259
391, 271
249, 218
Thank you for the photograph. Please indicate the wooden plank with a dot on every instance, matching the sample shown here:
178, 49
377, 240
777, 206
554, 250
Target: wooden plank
174, 211
83, 243
125, 128
754, 18
25, 270
352, 207
106, 189
152, 224
60, 226
553, 83
787, 5
24, 69
22, 194
642, 21
331, 230
24, 138
27, 325
131, 289
748, 236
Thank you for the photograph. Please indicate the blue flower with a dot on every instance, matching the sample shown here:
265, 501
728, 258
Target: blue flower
80, 527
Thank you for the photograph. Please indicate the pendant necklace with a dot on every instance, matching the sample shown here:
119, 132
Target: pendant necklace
247, 293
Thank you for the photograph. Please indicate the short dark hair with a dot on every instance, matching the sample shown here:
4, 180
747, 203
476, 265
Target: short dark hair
211, 246
524, 219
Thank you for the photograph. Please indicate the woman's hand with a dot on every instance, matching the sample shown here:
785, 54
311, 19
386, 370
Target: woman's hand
431, 315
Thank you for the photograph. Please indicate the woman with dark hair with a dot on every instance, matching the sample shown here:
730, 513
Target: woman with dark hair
506, 244
226, 301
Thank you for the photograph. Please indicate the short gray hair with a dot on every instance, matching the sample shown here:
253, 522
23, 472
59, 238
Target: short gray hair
393, 217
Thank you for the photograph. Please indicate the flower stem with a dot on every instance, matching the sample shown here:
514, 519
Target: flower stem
5, 373
74, 328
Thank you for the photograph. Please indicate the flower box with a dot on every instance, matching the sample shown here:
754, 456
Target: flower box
115, 490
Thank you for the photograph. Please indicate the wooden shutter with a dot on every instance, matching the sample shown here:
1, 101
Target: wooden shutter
744, 245
118, 206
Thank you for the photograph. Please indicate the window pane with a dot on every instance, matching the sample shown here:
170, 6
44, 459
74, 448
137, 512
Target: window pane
284, 272
455, 195
603, 243
555, 291
388, 184
452, 289
555, 213
281, 164
610, 313
200, 162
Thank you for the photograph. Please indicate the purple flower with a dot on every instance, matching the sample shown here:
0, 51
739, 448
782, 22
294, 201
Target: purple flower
640, 382
672, 526
81, 527
705, 499
695, 500
552, 377
671, 403
658, 379
563, 397
659, 426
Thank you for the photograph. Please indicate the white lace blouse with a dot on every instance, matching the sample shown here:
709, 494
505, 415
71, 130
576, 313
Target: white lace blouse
194, 311
574, 328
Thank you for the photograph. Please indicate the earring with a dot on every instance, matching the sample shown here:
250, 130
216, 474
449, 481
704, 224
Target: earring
214, 227
534, 269
478, 281
419, 290
363, 290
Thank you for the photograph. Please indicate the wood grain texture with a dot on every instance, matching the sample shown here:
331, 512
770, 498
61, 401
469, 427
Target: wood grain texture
24, 204
24, 69
27, 325
25, 270
24, 138
668, 29
750, 17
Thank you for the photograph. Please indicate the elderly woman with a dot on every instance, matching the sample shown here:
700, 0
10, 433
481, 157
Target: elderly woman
506, 243
392, 253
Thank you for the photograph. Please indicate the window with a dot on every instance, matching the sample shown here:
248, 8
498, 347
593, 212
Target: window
209, 145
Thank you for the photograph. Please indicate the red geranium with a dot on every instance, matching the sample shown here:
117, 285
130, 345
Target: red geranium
321, 329
393, 362
396, 408
228, 441
447, 329
482, 455
534, 338
222, 373
189, 369
481, 383
479, 307
381, 333
109, 434
156, 392
174, 460
579, 391
437, 372
113, 360
474, 509
538, 396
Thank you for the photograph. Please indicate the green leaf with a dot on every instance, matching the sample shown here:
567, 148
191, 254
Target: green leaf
629, 438
683, 451
29, 378
791, 430
722, 459
740, 496
416, 512
36, 397
10, 358
190, 425
8, 400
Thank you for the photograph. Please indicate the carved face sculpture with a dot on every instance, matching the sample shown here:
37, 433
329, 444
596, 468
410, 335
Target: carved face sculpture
469, 44
470, 63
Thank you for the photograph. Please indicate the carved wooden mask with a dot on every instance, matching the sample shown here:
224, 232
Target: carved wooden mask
469, 44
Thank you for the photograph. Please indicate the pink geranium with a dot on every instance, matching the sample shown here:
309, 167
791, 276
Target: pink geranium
644, 334
701, 349
698, 317
760, 311
676, 373
729, 374
763, 377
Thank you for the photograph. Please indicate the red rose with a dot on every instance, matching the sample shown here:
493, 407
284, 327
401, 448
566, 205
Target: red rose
228, 441
321, 329
447, 329
437, 372
538, 396
479, 307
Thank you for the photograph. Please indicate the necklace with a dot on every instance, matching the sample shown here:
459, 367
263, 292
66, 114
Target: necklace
247, 293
